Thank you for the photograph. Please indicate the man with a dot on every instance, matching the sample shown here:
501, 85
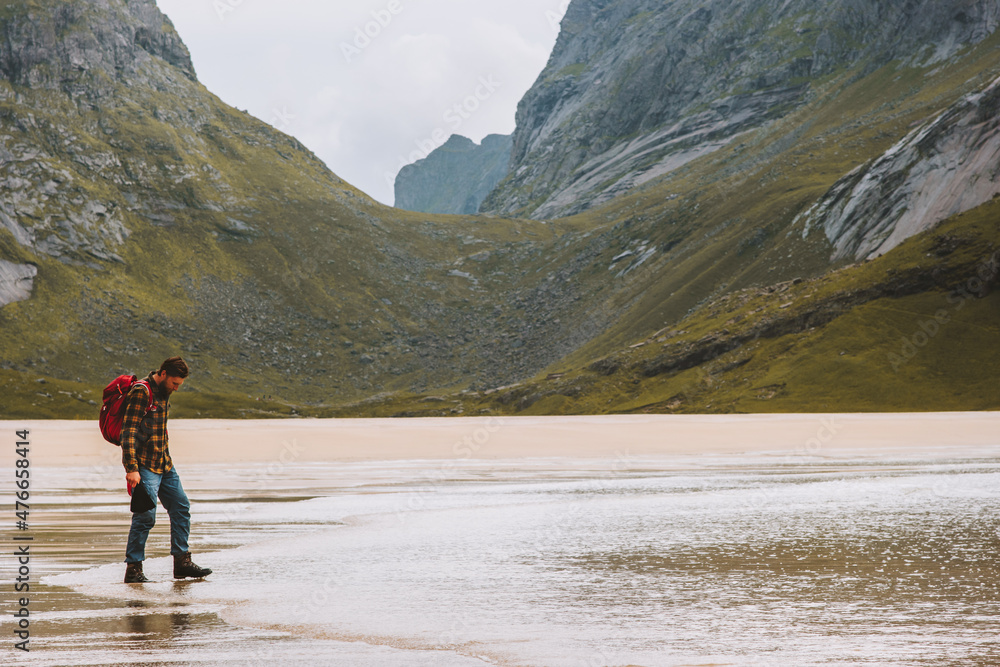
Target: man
146, 458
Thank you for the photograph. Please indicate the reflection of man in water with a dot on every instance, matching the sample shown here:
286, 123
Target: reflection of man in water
146, 458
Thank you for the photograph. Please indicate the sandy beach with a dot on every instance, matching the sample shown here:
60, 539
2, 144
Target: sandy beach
527, 541
78, 443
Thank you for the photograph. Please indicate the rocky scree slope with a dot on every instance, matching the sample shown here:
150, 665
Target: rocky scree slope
636, 88
915, 329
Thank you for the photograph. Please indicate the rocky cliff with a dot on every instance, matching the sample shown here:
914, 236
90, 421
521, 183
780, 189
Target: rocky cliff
75, 58
456, 177
75, 47
636, 89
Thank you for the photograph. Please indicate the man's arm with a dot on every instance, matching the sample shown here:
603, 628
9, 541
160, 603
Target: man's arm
136, 404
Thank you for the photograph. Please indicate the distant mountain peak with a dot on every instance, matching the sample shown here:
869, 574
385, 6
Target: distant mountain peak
455, 177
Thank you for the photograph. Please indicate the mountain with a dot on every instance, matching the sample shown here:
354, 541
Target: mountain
736, 266
455, 177
637, 88
142, 217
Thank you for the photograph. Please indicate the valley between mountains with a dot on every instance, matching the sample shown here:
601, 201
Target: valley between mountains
783, 207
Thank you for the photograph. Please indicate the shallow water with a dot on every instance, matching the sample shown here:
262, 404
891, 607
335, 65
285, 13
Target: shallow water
558, 562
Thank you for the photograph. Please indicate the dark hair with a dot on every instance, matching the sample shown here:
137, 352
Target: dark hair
175, 367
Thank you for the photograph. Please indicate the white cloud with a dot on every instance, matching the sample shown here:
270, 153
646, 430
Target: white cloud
370, 84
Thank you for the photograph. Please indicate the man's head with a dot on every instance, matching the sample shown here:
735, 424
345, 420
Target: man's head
172, 374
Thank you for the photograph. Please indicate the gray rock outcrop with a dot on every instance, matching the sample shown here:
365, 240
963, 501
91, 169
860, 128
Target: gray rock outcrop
638, 88
66, 45
75, 58
16, 282
455, 177
944, 167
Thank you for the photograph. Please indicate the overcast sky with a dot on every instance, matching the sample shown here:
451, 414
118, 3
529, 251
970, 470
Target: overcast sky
371, 85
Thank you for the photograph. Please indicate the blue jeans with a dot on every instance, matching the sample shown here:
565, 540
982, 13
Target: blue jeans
167, 487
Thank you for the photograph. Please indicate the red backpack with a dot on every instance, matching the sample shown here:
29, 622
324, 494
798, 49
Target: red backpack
113, 409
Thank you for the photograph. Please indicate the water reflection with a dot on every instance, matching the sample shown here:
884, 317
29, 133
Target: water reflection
156, 629
862, 564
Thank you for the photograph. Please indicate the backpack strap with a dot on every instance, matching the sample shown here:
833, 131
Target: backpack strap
149, 395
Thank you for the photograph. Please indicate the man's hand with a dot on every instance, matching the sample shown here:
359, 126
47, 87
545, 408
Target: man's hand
133, 479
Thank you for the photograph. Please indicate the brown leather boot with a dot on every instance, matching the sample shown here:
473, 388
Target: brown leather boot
183, 567
133, 573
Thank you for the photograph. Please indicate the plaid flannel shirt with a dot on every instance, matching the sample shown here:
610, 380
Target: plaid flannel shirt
144, 435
